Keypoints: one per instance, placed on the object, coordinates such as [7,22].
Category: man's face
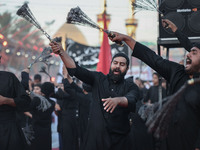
[193,61]
[37,90]
[155,80]
[118,67]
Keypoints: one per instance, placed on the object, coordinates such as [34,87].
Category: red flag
[105,52]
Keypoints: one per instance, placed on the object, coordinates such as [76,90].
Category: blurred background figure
[153,92]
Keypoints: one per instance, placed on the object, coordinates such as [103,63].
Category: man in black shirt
[185,122]
[12,98]
[183,39]
[187,44]
[113,99]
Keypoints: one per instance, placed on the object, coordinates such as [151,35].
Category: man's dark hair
[47,89]
[122,55]
[155,73]
[137,78]
[196,45]
[39,85]
[37,77]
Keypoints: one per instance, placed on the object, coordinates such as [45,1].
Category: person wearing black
[185,122]
[13,98]
[59,95]
[83,97]
[21,117]
[113,99]
[24,117]
[85,104]
[140,138]
[152,95]
[68,124]
[183,39]
[37,79]
[143,90]
[187,44]
[41,109]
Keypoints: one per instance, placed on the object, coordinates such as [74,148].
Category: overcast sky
[47,10]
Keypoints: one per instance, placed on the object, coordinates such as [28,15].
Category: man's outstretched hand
[110,104]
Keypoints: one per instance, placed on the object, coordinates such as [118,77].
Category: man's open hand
[110,104]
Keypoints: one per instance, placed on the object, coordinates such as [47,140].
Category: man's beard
[116,77]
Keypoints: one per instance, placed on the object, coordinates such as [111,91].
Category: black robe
[141,139]
[59,115]
[69,121]
[184,127]
[143,93]
[22,119]
[107,131]
[187,44]
[152,94]
[41,122]
[84,101]
[11,136]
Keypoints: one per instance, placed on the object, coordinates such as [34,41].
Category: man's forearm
[123,101]
[67,60]
[184,41]
[111,103]
[8,101]
[130,42]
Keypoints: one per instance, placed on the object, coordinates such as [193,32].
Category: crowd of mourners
[103,112]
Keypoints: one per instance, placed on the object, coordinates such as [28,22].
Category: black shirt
[185,124]
[101,123]
[11,136]
[152,94]
[103,87]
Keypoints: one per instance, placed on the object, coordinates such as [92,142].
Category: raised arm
[73,69]
[183,39]
[22,100]
[122,37]
[58,49]
[168,24]
[68,82]
[25,78]
[162,66]
[7,101]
